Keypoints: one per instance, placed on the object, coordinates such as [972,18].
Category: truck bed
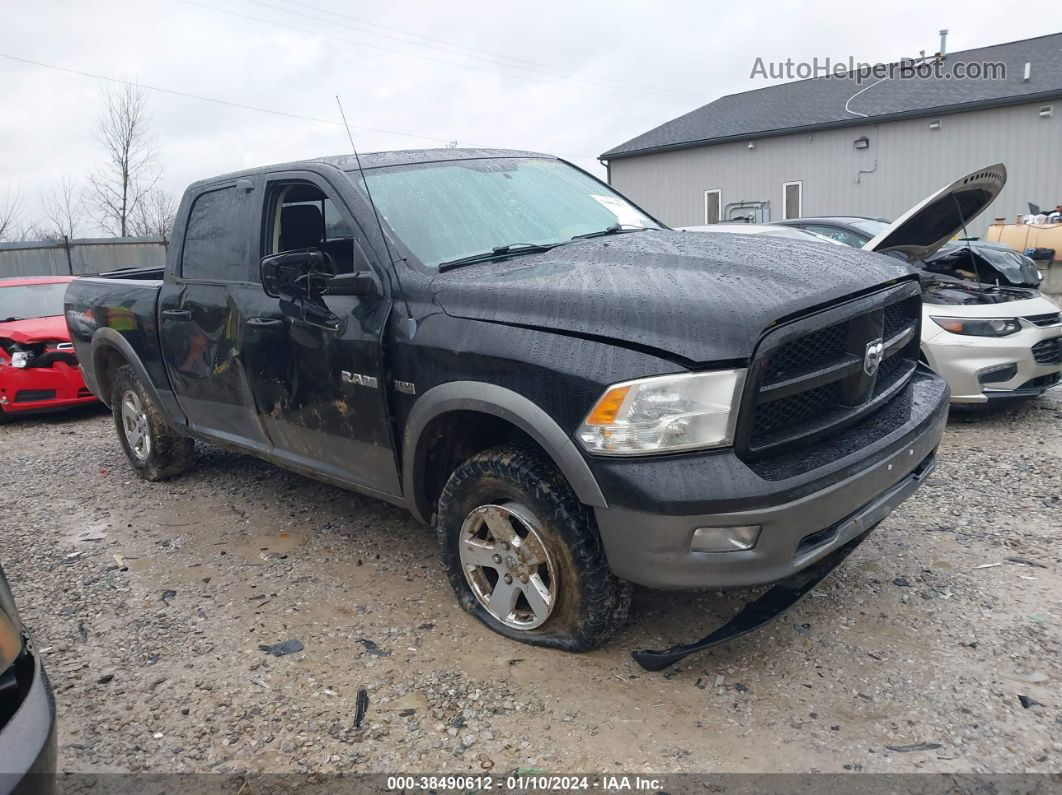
[123,305]
[138,274]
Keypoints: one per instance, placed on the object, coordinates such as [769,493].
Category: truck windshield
[451,210]
[31,300]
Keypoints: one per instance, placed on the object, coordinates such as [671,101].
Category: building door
[792,200]
[713,206]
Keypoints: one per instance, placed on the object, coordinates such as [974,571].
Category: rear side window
[213,238]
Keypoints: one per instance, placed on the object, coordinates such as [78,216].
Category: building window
[792,199]
[713,206]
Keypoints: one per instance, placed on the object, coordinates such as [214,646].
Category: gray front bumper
[652,547]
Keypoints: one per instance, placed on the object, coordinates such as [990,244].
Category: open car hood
[931,223]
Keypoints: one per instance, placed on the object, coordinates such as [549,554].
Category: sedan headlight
[979,327]
[21,358]
[664,414]
[10,642]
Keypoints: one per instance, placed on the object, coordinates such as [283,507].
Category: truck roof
[371,160]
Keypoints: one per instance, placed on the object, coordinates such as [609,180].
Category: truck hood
[36,329]
[935,220]
[703,298]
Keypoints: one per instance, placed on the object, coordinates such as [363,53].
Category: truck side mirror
[302,273]
[356,283]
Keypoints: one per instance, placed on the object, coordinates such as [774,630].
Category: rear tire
[509,513]
[154,449]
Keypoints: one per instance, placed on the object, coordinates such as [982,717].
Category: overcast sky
[569,78]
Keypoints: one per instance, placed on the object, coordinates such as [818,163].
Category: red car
[38,368]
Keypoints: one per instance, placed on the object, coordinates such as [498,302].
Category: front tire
[154,449]
[524,556]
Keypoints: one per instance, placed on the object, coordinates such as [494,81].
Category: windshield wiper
[615,229]
[509,250]
[11,319]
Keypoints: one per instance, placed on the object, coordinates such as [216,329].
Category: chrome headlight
[979,327]
[21,358]
[664,414]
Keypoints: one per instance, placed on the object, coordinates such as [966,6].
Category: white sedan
[770,230]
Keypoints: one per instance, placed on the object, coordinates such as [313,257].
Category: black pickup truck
[574,396]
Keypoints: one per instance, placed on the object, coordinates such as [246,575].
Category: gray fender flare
[510,406]
[109,338]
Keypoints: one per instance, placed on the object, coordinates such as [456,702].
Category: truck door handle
[177,314]
[264,323]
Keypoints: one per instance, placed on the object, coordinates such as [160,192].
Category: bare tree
[61,211]
[154,215]
[10,214]
[131,170]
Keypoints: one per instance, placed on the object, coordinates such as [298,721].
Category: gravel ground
[151,601]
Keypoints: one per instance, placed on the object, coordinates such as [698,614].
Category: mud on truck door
[201,318]
[315,363]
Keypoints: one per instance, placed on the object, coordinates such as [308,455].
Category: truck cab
[572,396]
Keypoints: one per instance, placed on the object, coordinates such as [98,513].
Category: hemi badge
[406,386]
[359,379]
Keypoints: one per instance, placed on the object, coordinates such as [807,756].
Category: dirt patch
[156,663]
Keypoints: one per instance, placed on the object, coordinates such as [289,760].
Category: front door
[321,391]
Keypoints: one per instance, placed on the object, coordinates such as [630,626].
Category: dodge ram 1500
[572,395]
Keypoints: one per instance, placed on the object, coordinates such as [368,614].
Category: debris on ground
[280,649]
[903,749]
[1026,562]
[373,649]
[361,704]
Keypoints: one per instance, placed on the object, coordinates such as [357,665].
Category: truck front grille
[1048,351]
[809,380]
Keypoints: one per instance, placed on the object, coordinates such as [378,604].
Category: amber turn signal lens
[10,642]
[954,326]
[604,413]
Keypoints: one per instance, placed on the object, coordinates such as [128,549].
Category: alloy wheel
[507,564]
[135,425]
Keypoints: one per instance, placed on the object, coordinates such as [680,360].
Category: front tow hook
[762,610]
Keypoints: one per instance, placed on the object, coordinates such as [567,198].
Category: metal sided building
[841,146]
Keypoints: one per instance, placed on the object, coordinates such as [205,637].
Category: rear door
[321,392]
[201,320]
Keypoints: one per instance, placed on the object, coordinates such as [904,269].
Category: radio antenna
[411,322]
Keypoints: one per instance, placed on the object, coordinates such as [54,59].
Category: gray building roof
[820,102]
